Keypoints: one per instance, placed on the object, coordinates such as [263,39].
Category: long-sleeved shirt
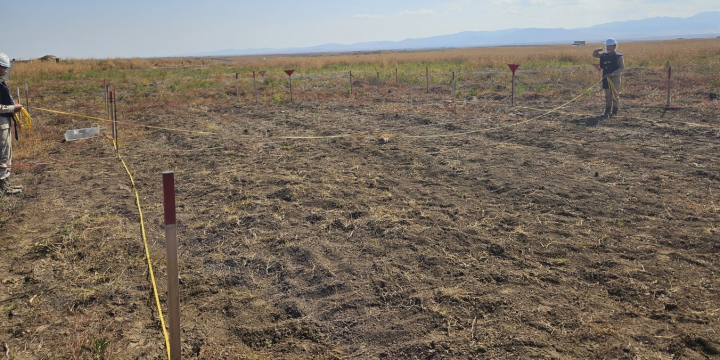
[5,109]
[620,62]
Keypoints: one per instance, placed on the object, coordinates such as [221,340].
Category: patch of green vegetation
[97,347]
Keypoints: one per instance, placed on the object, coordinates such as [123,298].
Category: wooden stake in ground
[427,79]
[113,128]
[289,74]
[255,88]
[171,246]
[452,96]
[378,82]
[669,86]
[513,67]
[114,116]
[27,97]
[351,86]
[107,98]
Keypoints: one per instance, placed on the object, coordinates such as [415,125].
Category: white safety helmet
[5,62]
[610,42]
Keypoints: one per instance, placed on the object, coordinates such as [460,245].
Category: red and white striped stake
[669,86]
[171,246]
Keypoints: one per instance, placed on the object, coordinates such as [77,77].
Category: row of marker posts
[377,82]
[513,69]
[112,110]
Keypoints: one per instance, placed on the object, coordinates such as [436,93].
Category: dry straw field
[400,216]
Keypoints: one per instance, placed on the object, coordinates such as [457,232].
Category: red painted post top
[289,72]
[669,71]
[169,197]
[513,67]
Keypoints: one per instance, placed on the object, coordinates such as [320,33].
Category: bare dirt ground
[431,230]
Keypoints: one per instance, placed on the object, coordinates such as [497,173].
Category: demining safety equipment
[5,62]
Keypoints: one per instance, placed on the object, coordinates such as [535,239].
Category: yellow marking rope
[615,92]
[509,125]
[24,120]
[125,122]
[147,255]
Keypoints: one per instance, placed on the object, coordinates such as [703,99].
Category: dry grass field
[403,220]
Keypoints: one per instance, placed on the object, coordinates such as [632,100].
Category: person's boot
[614,111]
[7,189]
[607,112]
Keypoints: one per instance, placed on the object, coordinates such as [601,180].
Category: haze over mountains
[706,24]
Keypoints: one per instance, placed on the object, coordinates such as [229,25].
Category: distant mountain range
[703,25]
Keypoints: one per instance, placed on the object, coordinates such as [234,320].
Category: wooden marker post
[254,88]
[669,86]
[107,98]
[27,97]
[427,80]
[113,125]
[171,246]
[117,132]
[262,81]
[237,84]
[396,77]
[513,67]
[289,74]
[351,86]
[378,82]
[452,96]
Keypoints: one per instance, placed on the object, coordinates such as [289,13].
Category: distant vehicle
[50,58]
[579,43]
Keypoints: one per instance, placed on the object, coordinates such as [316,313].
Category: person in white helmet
[613,65]
[8,108]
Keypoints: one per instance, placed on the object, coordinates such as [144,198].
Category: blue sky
[146,28]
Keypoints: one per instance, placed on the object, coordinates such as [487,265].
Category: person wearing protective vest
[8,108]
[613,65]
